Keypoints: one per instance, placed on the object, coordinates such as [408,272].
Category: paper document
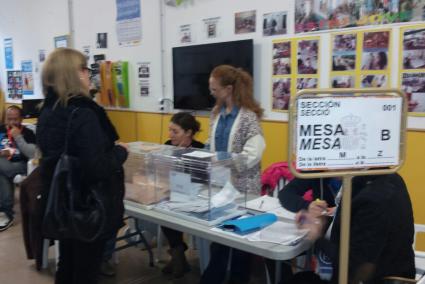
[283,213]
[199,154]
[264,203]
[280,233]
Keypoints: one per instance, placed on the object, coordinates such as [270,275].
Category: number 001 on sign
[348,132]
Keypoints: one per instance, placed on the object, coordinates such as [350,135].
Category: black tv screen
[192,66]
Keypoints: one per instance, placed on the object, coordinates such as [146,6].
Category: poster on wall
[412,67]
[342,81]
[120,83]
[307,83]
[144,77]
[8,53]
[27,78]
[373,81]
[245,22]
[307,56]
[211,27]
[282,58]
[344,52]
[102,40]
[413,84]
[186,34]
[314,15]
[61,41]
[274,23]
[414,48]
[281,93]
[41,55]
[375,50]
[14,85]
[86,52]
[128,22]
[292,73]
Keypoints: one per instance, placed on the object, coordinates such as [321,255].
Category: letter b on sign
[385,135]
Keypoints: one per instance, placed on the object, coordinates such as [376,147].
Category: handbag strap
[68,130]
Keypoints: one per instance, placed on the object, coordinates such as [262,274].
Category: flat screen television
[193,64]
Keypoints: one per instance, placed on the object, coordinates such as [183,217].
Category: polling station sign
[342,132]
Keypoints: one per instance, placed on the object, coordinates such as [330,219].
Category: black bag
[73,211]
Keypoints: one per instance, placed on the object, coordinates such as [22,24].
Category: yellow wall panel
[125,124]
[275,134]
[148,127]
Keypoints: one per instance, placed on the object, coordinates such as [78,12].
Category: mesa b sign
[344,132]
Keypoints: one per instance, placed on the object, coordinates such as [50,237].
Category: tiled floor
[133,264]
[132,268]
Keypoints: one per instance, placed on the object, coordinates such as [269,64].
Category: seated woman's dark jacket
[92,139]
[291,196]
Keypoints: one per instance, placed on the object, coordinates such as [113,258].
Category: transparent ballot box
[140,186]
[200,185]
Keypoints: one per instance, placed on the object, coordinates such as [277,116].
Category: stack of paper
[271,205]
[280,233]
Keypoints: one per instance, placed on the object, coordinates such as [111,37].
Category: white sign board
[347,132]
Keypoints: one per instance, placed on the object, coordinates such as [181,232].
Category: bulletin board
[295,66]
[412,67]
[361,59]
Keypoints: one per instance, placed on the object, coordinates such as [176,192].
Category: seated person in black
[326,190]
[182,128]
[381,231]
[17,145]
[323,194]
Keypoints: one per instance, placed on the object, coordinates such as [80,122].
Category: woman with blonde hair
[92,139]
[235,128]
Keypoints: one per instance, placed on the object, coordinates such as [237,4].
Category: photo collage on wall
[360,59]
[292,73]
[412,65]
[14,85]
[315,15]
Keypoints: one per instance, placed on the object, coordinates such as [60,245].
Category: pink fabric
[308,195]
[271,176]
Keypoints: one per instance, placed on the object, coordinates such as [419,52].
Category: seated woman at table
[181,130]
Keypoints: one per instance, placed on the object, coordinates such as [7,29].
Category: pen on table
[261,204]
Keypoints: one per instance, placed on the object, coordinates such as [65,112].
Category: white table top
[268,250]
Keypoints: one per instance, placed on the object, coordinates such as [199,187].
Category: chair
[274,178]
[419,255]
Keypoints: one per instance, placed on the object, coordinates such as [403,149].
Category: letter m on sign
[342,154]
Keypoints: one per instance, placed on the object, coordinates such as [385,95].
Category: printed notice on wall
[186,34]
[27,78]
[348,132]
[8,53]
[144,77]
[129,23]
[212,27]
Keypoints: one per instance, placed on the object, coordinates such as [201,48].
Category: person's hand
[15,131]
[314,225]
[318,208]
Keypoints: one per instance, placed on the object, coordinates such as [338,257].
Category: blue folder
[249,224]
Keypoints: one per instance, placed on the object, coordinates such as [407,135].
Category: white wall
[98,16]
[33,24]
